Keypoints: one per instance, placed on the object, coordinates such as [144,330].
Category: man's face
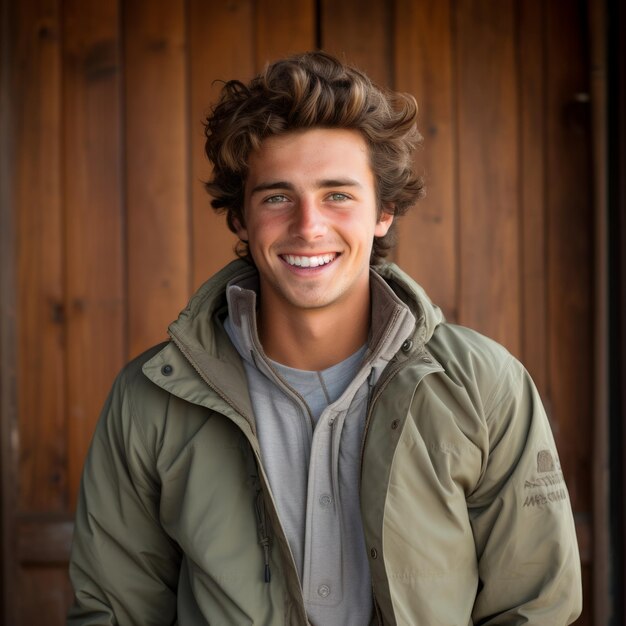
[311,217]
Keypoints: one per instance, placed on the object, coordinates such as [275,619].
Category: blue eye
[277,198]
[338,196]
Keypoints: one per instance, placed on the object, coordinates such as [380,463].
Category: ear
[383,224]
[240,230]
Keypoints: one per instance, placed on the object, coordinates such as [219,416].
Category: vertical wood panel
[43,597]
[603,525]
[37,122]
[156,168]
[488,170]
[283,28]
[94,250]
[531,55]
[617,189]
[569,241]
[569,232]
[360,32]
[423,67]
[213,57]
[8,317]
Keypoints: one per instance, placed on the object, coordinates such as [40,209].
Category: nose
[308,221]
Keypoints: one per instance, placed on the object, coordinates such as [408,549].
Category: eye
[275,199]
[338,196]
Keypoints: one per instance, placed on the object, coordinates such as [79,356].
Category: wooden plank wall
[112,230]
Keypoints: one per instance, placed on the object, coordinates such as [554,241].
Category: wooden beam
[602,549]
[156,168]
[8,350]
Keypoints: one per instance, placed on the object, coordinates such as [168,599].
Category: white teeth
[309,261]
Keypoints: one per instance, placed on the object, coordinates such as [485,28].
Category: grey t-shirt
[319,389]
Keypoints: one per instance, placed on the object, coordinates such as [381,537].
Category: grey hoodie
[314,472]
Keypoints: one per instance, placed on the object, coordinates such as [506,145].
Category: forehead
[318,151]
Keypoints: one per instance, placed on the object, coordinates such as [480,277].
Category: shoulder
[132,390]
[464,352]
[489,374]
[132,376]
[122,418]
[142,416]
[459,345]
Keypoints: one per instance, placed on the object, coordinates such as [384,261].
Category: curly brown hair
[313,90]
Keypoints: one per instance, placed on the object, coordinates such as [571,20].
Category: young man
[315,444]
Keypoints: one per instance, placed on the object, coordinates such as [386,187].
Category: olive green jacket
[466,516]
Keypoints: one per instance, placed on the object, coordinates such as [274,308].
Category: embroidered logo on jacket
[545,461]
[547,487]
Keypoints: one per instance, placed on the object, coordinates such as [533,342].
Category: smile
[309,261]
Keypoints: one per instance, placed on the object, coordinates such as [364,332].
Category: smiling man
[316,445]
[311,215]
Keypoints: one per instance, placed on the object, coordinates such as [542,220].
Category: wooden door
[106,229]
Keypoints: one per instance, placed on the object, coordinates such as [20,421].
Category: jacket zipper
[285,387]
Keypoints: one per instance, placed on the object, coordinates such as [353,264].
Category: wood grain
[488,148]
[532,190]
[44,541]
[9,423]
[283,28]
[94,228]
[38,204]
[424,67]
[569,233]
[43,595]
[213,59]
[359,31]
[156,167]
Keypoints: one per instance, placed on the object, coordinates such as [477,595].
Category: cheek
[262,232]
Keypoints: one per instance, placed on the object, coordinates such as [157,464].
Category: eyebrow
[321,184]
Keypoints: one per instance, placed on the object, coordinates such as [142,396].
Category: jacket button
[325,500]
[395,424]
[323,591]
[166,370]
[407,345]
[374,553]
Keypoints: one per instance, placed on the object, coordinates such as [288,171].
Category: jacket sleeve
[123,566]
[521,517]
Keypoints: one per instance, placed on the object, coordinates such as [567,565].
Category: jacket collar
[200,344]
[391,321]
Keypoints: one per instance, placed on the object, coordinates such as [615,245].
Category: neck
[312,340]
